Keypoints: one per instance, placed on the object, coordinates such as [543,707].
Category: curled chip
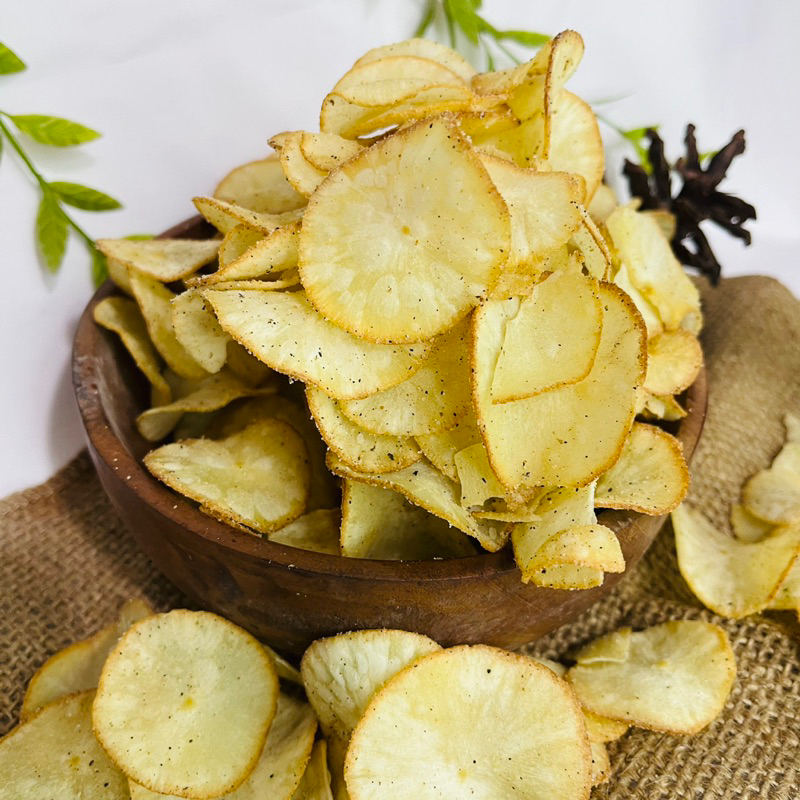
[258,477]
[316,781]
[226,216]
[505,726]
[259,186]
[55,755]
[318,531]
[197,330]
[77,668]
[282,762]
[673,360]
[342,673]
[381,523]
[166,260]
[197,722]
[674,677]
[300,173]
[650,476]
[393,253]
[729,576]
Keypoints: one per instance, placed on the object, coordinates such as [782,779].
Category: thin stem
[40,179]
[427,18]
[506,51]
[451,28]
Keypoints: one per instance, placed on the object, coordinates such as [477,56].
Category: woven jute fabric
[67,565]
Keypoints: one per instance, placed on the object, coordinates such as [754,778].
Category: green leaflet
[53,131]
[51,232]
[10,62]
[74,194]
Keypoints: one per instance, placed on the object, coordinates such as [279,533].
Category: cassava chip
[155,303]
[731,577]
[746,527]
[504,726]
[478,483]
[440,448]
[197,330]
[381,524]
[673,360]
[425,486]
[593,247]
[569,435]
[787,597]
[166,260]
[395,253]
[434,398]
[317,531]
[316,781]
[235,243]
[284,331]
[602,729]
[55,755]
[551,337]
[675,677]
[356,446]
[258,477]
[327,151]
[601,763]
[422,48]
[648,311]
[260,186]
[78,667]
[122,316]
[303,175]
[185,702]
[226,216]
[773,495]
[282,761]
[209,394]
[342,673]
[650,476]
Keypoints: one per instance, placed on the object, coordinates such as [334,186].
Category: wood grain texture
[289,597]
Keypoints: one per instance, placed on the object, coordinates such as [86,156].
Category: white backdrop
[185,89]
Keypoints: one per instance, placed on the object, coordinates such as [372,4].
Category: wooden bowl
[289,597]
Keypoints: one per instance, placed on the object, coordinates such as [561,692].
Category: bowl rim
[117,459]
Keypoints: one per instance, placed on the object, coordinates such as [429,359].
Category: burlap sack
[67,566]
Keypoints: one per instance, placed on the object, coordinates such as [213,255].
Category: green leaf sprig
[462,16]
[53,223]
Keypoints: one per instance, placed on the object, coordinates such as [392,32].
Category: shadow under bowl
[289,597]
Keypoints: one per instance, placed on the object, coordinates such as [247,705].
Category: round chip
[405,238]
[260,186]
[55,755]
[471,721]
[259,477]
[185,703]
[674,677]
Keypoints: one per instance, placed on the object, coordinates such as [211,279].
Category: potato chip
[258,477]
[395,254]
[675,677]
[440,448]
[748,528]
[327,151]
[55,755]
[166,260]
[155,303]
[652,266]
[574,142]
[357,447]
[773,494]
[260,186]
[381,524]
[281,764]
[673,360]
[434,398]
[122,316]
[422,48]
[270,255]
[324,493]
[226,216]
[197,330]
[425,486]
[505,726]
[650,475]
[316,781]
[569,435]
[209,394]
[478,483]
[185,702]
[731,577]
[300,173]
[284,331]
[317,531]
[77,667]
[543,206]
[342,673]
[551,338]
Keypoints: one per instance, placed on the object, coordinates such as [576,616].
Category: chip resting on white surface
[185,702]
[504,726]
[673,677]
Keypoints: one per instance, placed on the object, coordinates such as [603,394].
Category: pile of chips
[474,321]
[187,705]
[757,568]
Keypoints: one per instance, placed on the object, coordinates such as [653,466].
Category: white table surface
[183,90]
